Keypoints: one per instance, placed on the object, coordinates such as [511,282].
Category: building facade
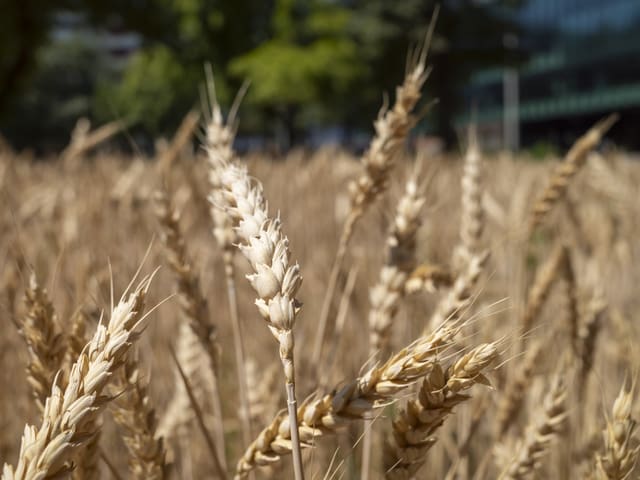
[582,62]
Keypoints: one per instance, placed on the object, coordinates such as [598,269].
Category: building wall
[583,62]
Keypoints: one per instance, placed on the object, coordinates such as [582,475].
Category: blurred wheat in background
[465,316]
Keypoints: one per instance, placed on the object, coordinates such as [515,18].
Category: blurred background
[533,74]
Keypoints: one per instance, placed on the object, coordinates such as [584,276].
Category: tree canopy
[310,63]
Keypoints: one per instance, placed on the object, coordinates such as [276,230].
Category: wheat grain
[275,280]
[440,393]
[133,412]
[539,435]
[386,295]
[325,414]
[472,216]
[219,147]
[392,128]
[621,447]
[452,305]
[539,290]
[68,418]
[41,331]
[560,178]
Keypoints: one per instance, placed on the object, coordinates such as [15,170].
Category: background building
[583,63]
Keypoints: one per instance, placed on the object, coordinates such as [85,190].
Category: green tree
[23,28]
[309,61]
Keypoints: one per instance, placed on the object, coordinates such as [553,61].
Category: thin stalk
[199,417]
[238,347]
[367,445]
[292,407]
[345,238]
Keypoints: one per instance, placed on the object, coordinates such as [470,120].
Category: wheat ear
[263,395]
[133,412]
[571,293]
[386,295]
[392,128]
[46,343]
[516,389]
[181,138]
[560,178]
[192,301]
[588,337]
[428,277]
[275,279]
[539,435]
[68,418]
[472,218]
[87,461]
[452,305]
[83,139]
[541,287]
[621,446]
[355,400]
[220,152]
[440,393]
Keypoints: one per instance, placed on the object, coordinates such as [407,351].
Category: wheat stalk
[195,363]
[68,418]
[133,412]
[440,393]
[571,292]
[588,337]
[192,302]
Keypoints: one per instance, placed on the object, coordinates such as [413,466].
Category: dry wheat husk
[547,424]
[41,330]
[621,446]
[69,415]
[325,414]
[133,412]
[440,393]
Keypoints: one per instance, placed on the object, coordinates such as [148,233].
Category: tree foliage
[310,63]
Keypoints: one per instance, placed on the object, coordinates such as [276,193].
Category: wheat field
[416,315]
